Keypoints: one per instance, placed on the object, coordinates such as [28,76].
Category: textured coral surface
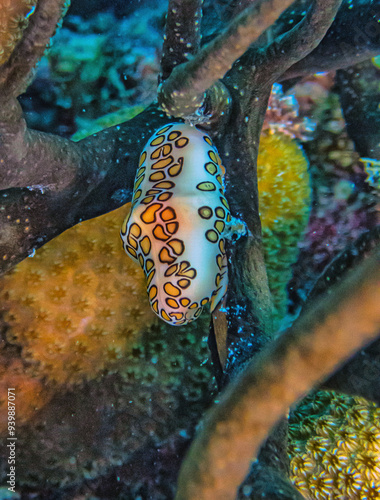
[283,180]
[78,305]
[284,194]
[13,20]
[96,66]
[335,448]
[162,387]
[32,393]
[344,204]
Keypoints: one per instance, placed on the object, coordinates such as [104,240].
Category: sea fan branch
[342,47]
[298,42]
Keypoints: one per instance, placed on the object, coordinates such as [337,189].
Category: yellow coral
[283,180]
[338,456]
[14,16]
[284,201]
[372,169]
[79,304]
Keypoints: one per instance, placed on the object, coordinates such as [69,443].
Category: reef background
[105,66]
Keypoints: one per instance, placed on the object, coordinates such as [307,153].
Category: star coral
[76,306]
[78,309]
[335,445]
[372,169]
[284,194]
[14,15]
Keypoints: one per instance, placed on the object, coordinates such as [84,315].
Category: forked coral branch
[183,92]
[78,181]
[20,147]
[49,184]
[341,46]
[298,42]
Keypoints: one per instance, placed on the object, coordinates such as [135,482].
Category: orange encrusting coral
[14,16]
[78,305]
[335,448]
[30,393]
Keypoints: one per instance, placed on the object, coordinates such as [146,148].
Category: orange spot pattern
[158,183]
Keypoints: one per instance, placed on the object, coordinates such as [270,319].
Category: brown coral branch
[55,182]
[15,73]
[250,329]
[182,34]
[325,336]
[29,157]
[342,47]
[46,153]
[183,92]
[298,42]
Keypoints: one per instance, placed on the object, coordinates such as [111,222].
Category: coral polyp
[372,169]
[340,461]
[14,17]
[32,393]
[284,201]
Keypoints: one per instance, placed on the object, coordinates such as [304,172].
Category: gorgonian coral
[83,179]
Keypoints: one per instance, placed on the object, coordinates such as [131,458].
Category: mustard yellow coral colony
[14,15]
[77,306]
[335,448]
[284,202]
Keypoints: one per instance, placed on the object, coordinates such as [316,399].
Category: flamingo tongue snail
[177,221]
